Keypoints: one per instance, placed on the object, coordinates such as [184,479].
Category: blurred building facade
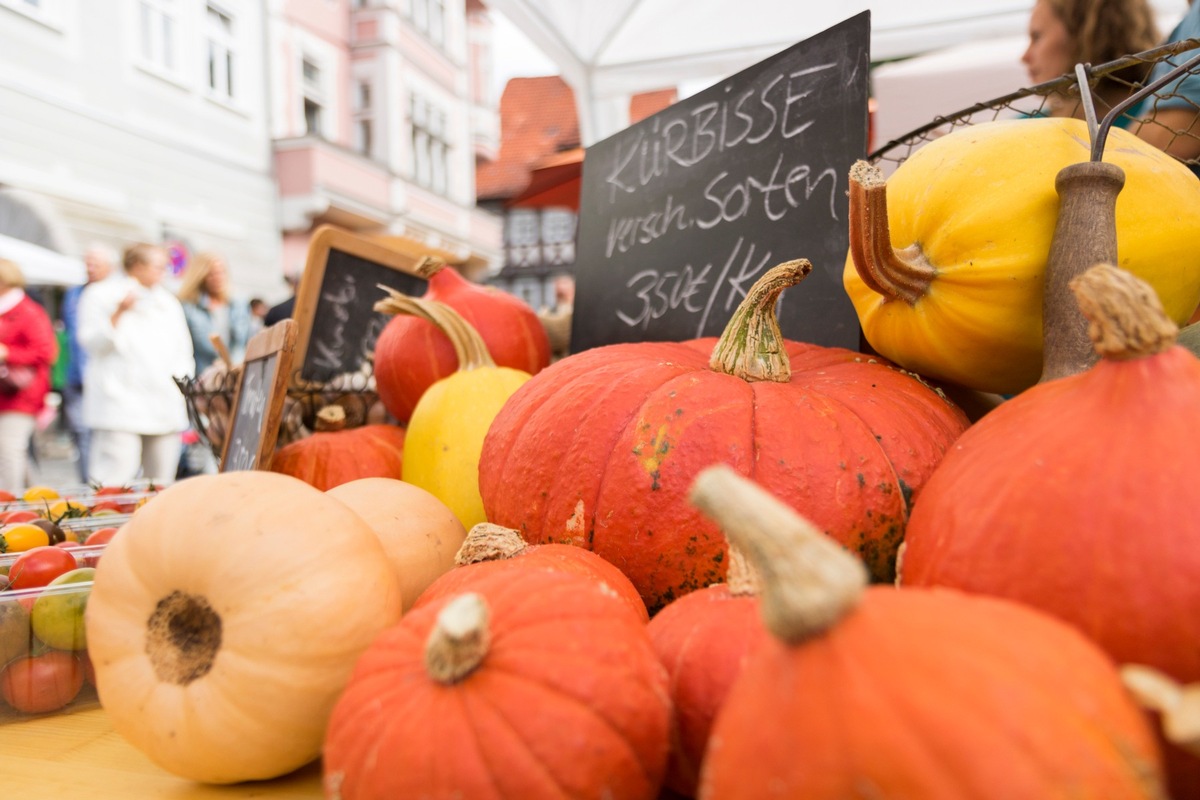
[240,126]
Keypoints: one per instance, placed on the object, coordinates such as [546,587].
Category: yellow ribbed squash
[447,426]
[970,218]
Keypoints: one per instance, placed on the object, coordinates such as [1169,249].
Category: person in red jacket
[27,348]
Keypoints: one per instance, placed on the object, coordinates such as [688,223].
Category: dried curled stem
[895,274]
[459,640]
[1179,705]
[752,347]
[809,581]
[468,345]
[1125,318]
[489,542]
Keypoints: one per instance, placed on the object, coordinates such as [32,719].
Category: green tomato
[58,612]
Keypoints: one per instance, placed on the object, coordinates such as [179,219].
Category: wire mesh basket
[1112,85]
[210,396]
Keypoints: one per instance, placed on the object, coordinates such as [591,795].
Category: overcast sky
[515,55]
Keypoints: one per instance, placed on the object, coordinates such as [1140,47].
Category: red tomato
[18,515]
[6,497]
[39,566]
[100,536]
[37,684]
[106,505]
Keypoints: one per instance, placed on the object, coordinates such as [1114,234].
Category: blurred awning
[42,267]
[554,182]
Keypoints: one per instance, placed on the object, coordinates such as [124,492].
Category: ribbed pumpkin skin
[330,458]
[982,206]
[569,702]
[411,354]
[703,639]
[1077,497]
[600,449]
[934,695]
[559,557]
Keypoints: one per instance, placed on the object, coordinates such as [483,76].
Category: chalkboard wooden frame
[275,348]
[329,244]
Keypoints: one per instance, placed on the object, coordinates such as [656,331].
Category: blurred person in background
[99,260]
[1175,109]
[137,341]
[284,310]
[1063,33]
[258,313]
[210,308]
[27,348]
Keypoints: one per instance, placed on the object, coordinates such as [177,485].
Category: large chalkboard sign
[258,399]
[335,299]
[680,213]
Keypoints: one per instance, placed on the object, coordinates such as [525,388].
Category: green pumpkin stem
[488,541]
[1125,318]
[752,347]
[459,640]
[809,581]
[895,274]
[468,345]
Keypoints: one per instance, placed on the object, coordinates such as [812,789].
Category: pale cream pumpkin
[420,534]
[225,620]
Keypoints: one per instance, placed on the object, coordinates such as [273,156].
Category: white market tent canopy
[42,267]
[609,49]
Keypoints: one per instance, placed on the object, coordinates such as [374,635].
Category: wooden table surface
[78,756]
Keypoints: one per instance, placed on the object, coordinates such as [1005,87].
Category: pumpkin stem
[1179,705]
[459,640]
[330,418]
[809,581]
[752,347]
[183,638]
[896,274]
[1125,318]
[489,542]
[429,266]
[468,345]
[741,577]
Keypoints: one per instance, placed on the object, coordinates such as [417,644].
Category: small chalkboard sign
[682,212]
[258,399]
[336,296]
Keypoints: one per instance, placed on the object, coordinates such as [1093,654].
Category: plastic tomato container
[44,668]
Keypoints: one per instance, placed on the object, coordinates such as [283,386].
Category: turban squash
[1076,496]
[599,449]
[947,258]
[924,693]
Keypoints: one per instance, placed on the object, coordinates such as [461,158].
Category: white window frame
[312,90]
[47,12]
[431,146]
[364,117]
[221,80]
[158,32]
[428,17]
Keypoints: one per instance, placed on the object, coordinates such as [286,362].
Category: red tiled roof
[537,120]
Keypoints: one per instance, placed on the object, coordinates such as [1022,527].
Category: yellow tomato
[35,493]
[22,536]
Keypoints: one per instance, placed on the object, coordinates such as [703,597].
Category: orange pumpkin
[1075,496]
[537,685]
[703,639]
[886,692]
[599,450]
[334,455]
[492,548]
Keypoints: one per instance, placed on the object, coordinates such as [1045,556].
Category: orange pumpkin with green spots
[599,449]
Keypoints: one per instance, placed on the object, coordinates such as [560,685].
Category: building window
[430,145]
[558,236]
[314,96]
[221,45]
[522,238]
[429,17]
[44,11]
[159,35]
[364,122]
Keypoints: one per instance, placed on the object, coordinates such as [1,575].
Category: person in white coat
[137,342]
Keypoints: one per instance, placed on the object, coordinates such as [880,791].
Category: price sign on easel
[258,399]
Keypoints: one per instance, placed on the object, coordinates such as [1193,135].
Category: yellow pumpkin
[420,534]
[447,427]
[226,618]
[947,258]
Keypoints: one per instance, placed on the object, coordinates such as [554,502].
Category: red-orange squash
[537,687]
[917,693]
[490,548]
[599,450]
[1077,496]
[411,354]
[703,639]
[332,455]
